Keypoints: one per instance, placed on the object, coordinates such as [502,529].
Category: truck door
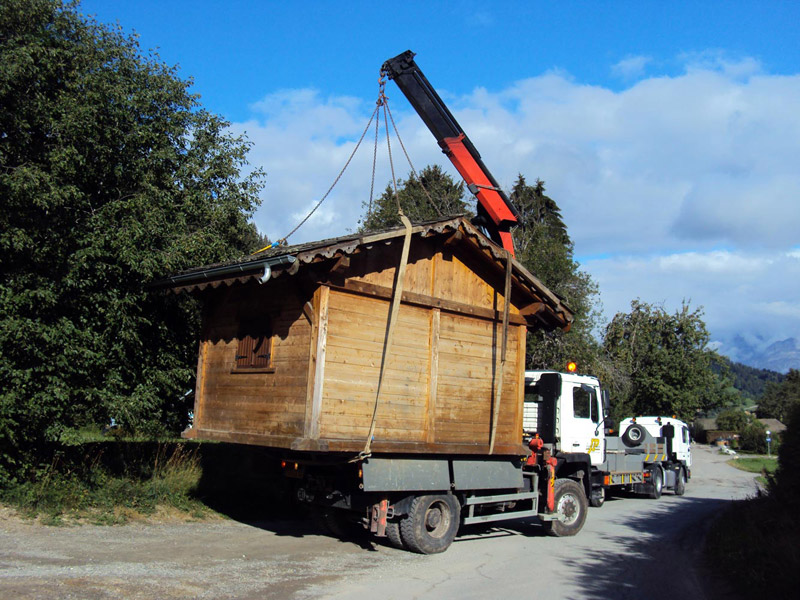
[581,430]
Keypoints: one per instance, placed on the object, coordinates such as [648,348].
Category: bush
[752,438]
[785,485]
[110,481]
[754,544]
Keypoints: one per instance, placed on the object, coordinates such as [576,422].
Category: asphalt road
[630,548]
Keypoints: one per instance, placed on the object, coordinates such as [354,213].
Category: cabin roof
[272,262]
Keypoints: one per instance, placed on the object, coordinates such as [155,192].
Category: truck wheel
[571,505]
[432,523]
[332,520]
[598,498]
[656,484]
[393,534]
[680,482]
[633,436]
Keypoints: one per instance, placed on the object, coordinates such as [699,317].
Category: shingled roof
[273,262]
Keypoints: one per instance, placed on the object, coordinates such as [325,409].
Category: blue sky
[669,133]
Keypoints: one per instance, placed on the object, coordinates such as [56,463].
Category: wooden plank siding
[356,333]
[270,403]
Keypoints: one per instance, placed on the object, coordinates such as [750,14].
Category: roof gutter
[265,266]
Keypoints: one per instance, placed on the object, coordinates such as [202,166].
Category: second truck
[566,412]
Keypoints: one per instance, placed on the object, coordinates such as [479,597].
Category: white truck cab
[675,431]
[579,410]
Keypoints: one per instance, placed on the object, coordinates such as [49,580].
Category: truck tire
[332,521]
[571,503]
[634,436]
[656,483]
[680,482]
[393,534]
[598,498]
[432,523]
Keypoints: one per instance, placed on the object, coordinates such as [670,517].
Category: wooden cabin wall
[451,275]
[440,382]
[356,328]
[271,403]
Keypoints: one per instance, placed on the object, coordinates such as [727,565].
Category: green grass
[88,490]
[758,464]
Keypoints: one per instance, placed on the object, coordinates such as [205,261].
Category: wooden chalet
[293,338]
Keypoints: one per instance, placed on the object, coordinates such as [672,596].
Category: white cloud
[752,293]
[631,67]
[667,171]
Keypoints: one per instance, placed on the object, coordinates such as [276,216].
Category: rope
[374,164]
[391,161]
[282,241]
[499,394]
[399,283]
[408,158]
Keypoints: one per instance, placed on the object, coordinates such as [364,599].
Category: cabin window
[584,404]
[254,350]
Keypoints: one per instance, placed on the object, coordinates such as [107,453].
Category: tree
[732,420]
[431,195]
[544,247]
[111,176]
[663,363]
[779,398]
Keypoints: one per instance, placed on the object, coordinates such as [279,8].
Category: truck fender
[577,466]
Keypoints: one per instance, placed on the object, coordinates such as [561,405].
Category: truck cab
[567,410]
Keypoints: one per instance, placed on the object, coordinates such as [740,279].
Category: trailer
[566,413]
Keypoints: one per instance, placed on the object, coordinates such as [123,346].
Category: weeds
[87,487]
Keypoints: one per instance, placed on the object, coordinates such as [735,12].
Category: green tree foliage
[111,176]
[753,438]
[732,419]
[786,485]
[750,381]
[430,195]
[780,398]
[544,247]
[662,363]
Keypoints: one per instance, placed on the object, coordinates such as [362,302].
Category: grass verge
[764,465]
[91,488]
[753,545]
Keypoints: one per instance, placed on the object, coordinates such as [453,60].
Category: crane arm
[495,211]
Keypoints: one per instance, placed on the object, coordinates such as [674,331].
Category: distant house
[773,425]
[705,430]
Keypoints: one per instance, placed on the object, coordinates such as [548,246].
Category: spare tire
[634,435]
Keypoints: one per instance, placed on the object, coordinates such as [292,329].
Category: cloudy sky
[669,136]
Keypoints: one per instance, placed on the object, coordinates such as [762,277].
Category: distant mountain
[775,356]
[750,381]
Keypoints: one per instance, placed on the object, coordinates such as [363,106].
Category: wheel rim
[568,508]
[437,519]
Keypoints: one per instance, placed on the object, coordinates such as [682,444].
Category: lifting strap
[499,390]
[388,338]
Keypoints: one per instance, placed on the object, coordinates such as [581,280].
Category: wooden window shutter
[254,350]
